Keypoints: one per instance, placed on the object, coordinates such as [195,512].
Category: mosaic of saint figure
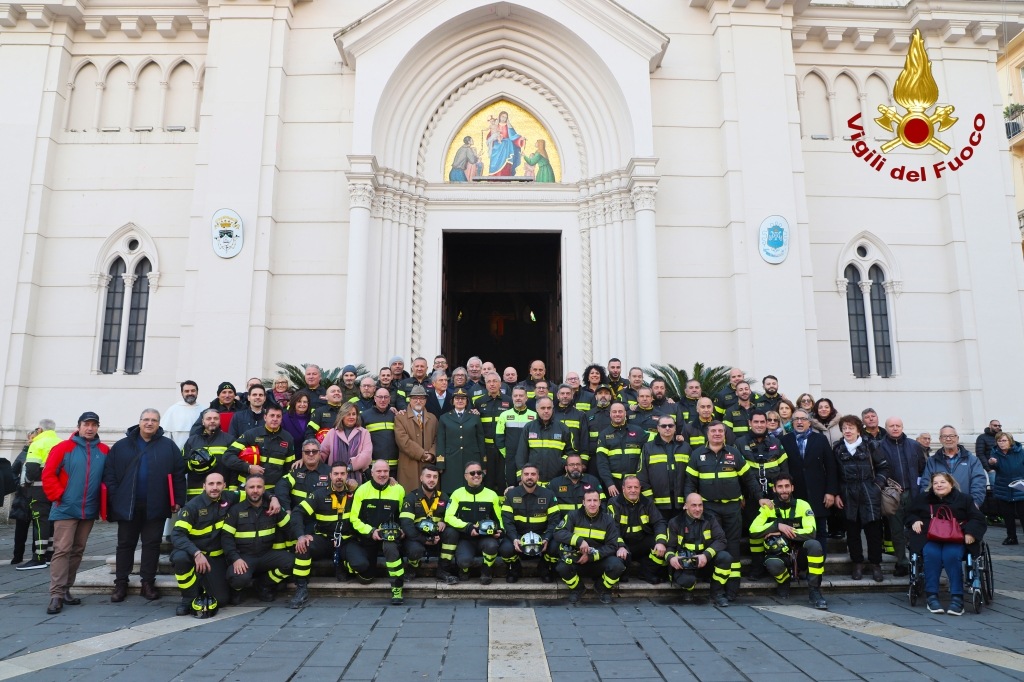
[504,146]
[539,160]
[467,163]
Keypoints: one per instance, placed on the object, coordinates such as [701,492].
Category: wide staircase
[425,586]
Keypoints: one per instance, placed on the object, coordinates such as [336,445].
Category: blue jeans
[943,555]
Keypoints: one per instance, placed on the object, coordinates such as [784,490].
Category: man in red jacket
[72,478]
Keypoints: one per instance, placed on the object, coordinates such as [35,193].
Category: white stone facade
[681,124]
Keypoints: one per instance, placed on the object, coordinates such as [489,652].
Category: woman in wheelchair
[943,521]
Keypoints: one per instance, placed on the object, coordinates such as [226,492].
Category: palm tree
[712,379]
[297,375]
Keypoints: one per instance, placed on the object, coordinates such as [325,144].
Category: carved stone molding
[99,280]
[360,194]
[894,287]
[499,74]
[841,285]
[865,286]
[154,280]
[643,197]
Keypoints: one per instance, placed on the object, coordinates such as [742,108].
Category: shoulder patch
[809,512]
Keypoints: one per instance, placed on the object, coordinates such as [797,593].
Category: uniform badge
[202,512]
[563,489]
[517,500]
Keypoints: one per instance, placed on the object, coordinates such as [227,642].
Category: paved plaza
[862,637]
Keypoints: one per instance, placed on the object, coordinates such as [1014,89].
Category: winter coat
[859,487]
[966,469]
[985,446]
[906,460]
[831,430]
[360,449]
[970,517]
[1009,467]
[72,477]
[121,476]
[413,441]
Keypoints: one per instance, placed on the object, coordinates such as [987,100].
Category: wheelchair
[979,584]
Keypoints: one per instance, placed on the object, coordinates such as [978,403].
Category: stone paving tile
[316,674]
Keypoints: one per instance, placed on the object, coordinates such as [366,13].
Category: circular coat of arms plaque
[226,229]
[773,239]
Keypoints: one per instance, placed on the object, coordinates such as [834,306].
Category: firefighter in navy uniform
[197,555]
[423,510]
[643,530]
[618,450]
[697,549]
[528,508]
[570,487]
[325,415]
[545,442]
[379,420]
[598,419]
[475,512]
[211,443]
[574,420]
[317,524]
[737,416]
[376,506]
[645,417]
[663,469]
[723,478]
[300,483]
[274,447]
[254,540]
[768,458]
[491,405]
[590,542]
[785,528]
[509,431]
[696,432]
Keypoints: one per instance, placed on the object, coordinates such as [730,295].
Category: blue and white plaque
[773,239]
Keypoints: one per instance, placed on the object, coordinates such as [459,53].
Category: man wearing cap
[349,389]
[397,366]
[145,479]
[72,477]
[415,435]
[226,404]
[460,440]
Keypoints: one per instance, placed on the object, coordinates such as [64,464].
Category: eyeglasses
[949,435]
[665,426]
[997,426]
[475,473]
[801,419]
[773,420]
[311,452]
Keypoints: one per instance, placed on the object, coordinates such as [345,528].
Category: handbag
[944,527]
[891,495]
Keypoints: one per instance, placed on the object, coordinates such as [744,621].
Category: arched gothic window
[868,277]
[858,324]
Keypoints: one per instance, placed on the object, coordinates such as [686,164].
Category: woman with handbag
[942,521]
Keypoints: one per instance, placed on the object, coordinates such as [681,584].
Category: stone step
[98,581]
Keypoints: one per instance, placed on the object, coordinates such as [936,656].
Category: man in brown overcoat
[415,434]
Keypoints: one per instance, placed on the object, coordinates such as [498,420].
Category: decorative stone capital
[360,195]
[643,197]
[99,280]
[865,286]
[894,287]
[154,280]
[129,280]
[841,285]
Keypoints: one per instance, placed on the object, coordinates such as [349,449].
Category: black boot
[184,607]
[301,596]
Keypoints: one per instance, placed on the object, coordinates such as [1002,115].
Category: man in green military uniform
[460,440]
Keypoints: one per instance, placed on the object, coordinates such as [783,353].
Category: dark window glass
[137,319]
[858,324]
[880,322]
[112,318]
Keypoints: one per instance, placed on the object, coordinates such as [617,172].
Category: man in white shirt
[179,417]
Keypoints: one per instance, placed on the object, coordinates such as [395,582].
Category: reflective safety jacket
[663,472]
[576,424]
[469,505]
[598,420]
[277,452]
[324,512]
[322,417]
[696,433]
[216,444]
[508,430]
[638,520]
[381,426]
[583,400]
[600,532]
[373,504]
[298,484]
[491,408]
[418,506]
[645,420]
[618,452]
[737,418]
[797,513]
[767,458]
[722,477]
[198,525]
[524,512]
[545,445]
[696,535]
[570,493]
[249,530]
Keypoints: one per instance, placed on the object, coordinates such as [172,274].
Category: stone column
[360,199]
[647,276]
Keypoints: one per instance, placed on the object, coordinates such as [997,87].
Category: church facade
[200,189]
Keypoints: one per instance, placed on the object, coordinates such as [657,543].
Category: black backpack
[7,482]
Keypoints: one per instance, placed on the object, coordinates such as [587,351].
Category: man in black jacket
[145,479]
[813,469]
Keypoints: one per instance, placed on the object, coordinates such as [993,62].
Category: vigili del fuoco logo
[916,92]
